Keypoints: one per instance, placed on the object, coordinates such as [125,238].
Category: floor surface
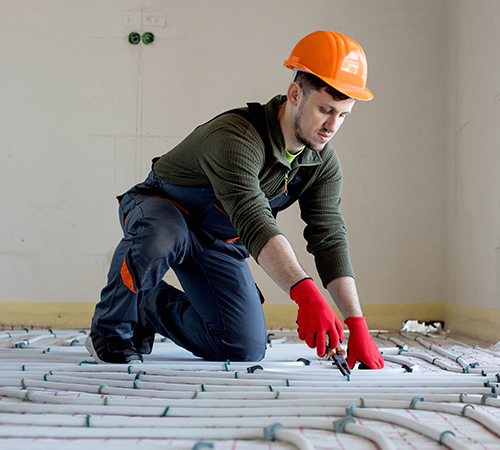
[435,391]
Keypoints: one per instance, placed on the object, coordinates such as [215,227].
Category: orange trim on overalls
[229,240]
[157,196]
[127,276]
[173,203]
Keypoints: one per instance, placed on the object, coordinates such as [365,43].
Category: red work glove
[360,346]
[315,317]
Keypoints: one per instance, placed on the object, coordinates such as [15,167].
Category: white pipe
[440,436]
[371,434]
[279,390]
[173,411]
[275,409]
[219,433]
[294,438]
[152,389]
[171,383]
[339,399]
[131,433]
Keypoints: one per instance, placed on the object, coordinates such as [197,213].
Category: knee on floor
[238,349]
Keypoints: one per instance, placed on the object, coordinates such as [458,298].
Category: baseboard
[475,322]
[46,314]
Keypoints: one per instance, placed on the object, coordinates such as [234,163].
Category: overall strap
[256,115]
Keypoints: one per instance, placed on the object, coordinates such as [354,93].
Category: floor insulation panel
[435,392]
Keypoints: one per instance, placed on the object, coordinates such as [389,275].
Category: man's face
[318,117]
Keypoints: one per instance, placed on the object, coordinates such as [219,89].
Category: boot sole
[89,345]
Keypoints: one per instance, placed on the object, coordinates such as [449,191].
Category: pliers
[337,356]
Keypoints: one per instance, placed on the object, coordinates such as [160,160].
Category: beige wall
[83,112]
[473,163]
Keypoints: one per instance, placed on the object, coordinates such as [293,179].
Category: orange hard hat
[335,58]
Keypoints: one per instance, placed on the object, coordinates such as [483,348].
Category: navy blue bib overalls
[218,315]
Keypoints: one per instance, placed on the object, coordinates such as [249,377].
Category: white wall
[82,113]
[474,153]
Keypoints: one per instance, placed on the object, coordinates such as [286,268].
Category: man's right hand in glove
[315,317]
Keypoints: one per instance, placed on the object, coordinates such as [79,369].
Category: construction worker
[212,201]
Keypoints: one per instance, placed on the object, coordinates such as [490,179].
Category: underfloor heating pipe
[216,410]
[156,391]
[123,379]
[109,417]
[444,437]
[463,344]
[112,426]
[211,381]
[59,353]
[246,430]
[205,401]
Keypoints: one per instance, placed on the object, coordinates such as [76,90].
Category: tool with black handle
[337,355]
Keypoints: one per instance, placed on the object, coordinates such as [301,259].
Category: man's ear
[294,92]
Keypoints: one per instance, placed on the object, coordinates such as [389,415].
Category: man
[213,199]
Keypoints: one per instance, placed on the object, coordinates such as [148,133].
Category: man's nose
[332,124]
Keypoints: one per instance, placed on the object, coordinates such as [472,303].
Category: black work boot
[143,339]
[112,350]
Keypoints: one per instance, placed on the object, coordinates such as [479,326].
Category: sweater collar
[307,158]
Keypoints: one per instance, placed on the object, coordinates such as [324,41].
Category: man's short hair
[308,82]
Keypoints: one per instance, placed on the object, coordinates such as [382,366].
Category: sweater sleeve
[325,230]
[232,158]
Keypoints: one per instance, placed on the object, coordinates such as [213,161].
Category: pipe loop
[27,396]
[465,407]
[440,441]
[254,368]
[414,400]
[200,445]
[339,425]
[101,387]
[487,396]
[305,361]
[270,431]
[349,410]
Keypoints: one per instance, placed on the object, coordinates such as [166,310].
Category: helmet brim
[355,92]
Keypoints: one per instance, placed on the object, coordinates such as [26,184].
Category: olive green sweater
[229,155]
